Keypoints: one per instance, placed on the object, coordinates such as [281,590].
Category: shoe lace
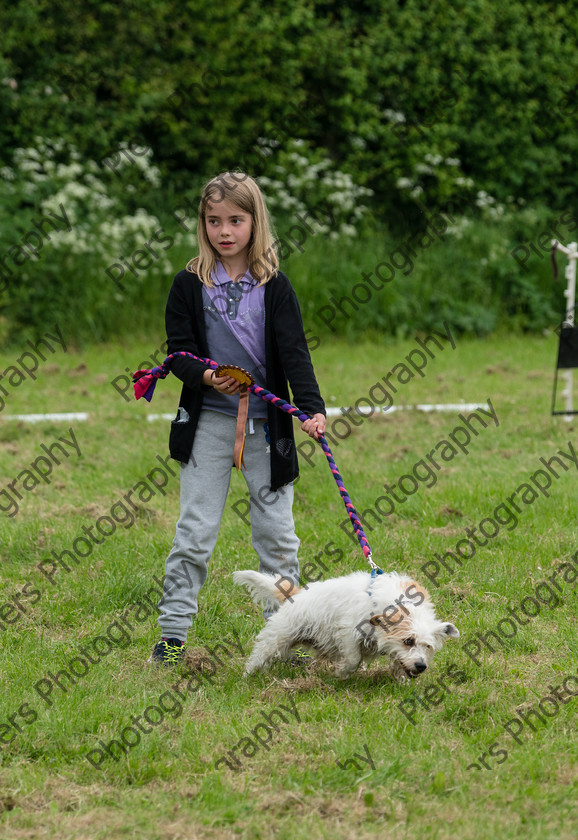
[172,653]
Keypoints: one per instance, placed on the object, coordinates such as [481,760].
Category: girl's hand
[315,426]
[222,384]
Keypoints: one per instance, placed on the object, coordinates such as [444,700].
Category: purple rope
[145,388]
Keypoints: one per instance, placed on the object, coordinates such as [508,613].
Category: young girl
[232,304]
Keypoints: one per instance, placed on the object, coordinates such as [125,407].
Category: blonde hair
[242,190]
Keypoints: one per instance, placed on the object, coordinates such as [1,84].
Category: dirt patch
[448,530]
[450,511]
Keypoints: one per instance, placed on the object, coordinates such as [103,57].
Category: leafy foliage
[405,108]
[63,220]
[377,85]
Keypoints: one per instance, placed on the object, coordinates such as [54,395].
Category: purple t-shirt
[247,323]
[235,325]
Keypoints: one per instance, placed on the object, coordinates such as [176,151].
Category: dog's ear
[378,621]
[446,631]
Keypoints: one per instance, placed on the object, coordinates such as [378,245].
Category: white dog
[346,620]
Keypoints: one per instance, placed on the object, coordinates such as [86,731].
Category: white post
[570,294]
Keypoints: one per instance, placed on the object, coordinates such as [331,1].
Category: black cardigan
[286,358]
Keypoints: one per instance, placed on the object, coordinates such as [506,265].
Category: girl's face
[228,228]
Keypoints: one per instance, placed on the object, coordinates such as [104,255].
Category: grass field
[344,760]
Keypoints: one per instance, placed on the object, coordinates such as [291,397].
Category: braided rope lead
[144,386]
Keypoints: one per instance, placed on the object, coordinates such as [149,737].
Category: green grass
[167,786]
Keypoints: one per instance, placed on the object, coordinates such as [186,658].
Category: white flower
[73,170]
[153,176]
[268,143]
[457,230]
[394,116]
[28,166]
[102,202]
[483,199]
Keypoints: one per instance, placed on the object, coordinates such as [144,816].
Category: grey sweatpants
[204,486]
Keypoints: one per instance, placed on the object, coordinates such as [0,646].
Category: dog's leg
[273,643]
[350,656]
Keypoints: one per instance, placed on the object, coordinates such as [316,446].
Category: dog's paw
[343,672]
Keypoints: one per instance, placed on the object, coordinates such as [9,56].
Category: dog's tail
[266,590]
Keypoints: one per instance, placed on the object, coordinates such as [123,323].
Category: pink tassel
[144,384]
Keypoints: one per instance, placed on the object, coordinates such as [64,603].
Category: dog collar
[375,570]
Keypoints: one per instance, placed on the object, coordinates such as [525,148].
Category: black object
[567,357]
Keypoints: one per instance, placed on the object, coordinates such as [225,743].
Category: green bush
[379,87]
[467,278]
[111,270]
[76,244]
[306,184]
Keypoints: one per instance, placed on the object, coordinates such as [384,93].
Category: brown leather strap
[242,415]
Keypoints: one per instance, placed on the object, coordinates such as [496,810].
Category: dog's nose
[420,666]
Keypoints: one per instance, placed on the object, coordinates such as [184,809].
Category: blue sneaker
[300,658]
[168,652]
